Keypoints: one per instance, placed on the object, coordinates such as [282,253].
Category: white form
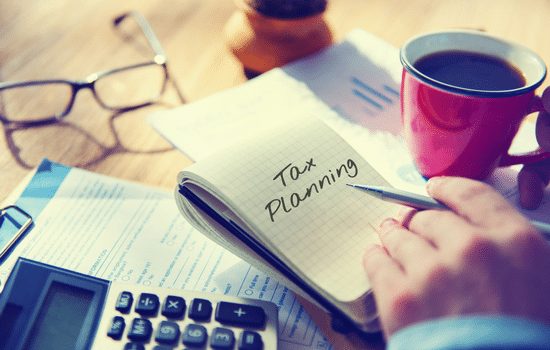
[128,232]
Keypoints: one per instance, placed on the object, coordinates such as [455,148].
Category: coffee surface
[470,70]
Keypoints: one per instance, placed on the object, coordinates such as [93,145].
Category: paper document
[287,189]
[352,86]
[123,231]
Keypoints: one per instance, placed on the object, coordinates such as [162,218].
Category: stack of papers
[128,232]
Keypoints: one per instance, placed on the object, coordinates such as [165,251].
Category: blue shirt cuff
[473,332]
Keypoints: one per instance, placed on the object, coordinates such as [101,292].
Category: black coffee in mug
[470,70]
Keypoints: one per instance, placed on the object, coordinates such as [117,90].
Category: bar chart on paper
[375,99]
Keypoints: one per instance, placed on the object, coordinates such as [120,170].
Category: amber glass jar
[262,42]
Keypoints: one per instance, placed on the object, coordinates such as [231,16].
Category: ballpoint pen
[417,201]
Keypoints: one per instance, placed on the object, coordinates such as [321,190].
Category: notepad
[280,201]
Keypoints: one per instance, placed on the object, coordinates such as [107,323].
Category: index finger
[476,201]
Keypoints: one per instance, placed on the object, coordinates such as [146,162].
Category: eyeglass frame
[159,59]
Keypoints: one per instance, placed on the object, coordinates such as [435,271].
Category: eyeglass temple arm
[153,42]
[145,28]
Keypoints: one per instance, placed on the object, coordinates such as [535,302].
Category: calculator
[46,307]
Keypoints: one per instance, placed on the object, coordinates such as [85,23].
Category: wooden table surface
[70,39]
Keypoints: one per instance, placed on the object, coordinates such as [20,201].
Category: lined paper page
[290,187]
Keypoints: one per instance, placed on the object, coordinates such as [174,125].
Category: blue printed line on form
[391,90]
[367,99]
[204,267]
[244,279]
[126,232]
[274,290]
[373,91]
[179,273]
[289,314]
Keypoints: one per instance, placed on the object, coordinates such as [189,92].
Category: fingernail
[432,182]
[405,216]
[405,211]
[388,222]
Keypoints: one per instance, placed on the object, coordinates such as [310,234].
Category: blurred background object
[288,8]
[264,34]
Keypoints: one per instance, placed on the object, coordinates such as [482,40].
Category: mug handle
[529,157]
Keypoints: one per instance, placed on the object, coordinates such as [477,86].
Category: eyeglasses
[36,102]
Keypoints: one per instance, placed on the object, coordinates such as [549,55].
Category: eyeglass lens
[131,87]
[117,89]
[35,102]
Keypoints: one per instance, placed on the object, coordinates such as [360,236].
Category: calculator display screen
[60,318]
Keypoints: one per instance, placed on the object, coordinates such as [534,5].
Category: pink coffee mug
[452,130]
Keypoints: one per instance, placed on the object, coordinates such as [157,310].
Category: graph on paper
[375,98]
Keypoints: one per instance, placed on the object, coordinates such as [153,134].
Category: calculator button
[222,338]
[167,332]
[250,341]
[194,335]
[117,328]
[163,347]
[240,315]
[148,304]
[200,310]
[140,330]
[134,346]
[124,302]
[174,307]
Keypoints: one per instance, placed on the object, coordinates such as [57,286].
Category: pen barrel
[413,200]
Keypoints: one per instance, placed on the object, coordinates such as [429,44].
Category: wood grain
[70,39]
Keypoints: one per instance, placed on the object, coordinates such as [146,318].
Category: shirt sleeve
[473,332]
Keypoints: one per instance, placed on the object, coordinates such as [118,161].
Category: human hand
[533,178]
[480,257]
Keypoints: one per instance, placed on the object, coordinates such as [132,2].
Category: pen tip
[351,185]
